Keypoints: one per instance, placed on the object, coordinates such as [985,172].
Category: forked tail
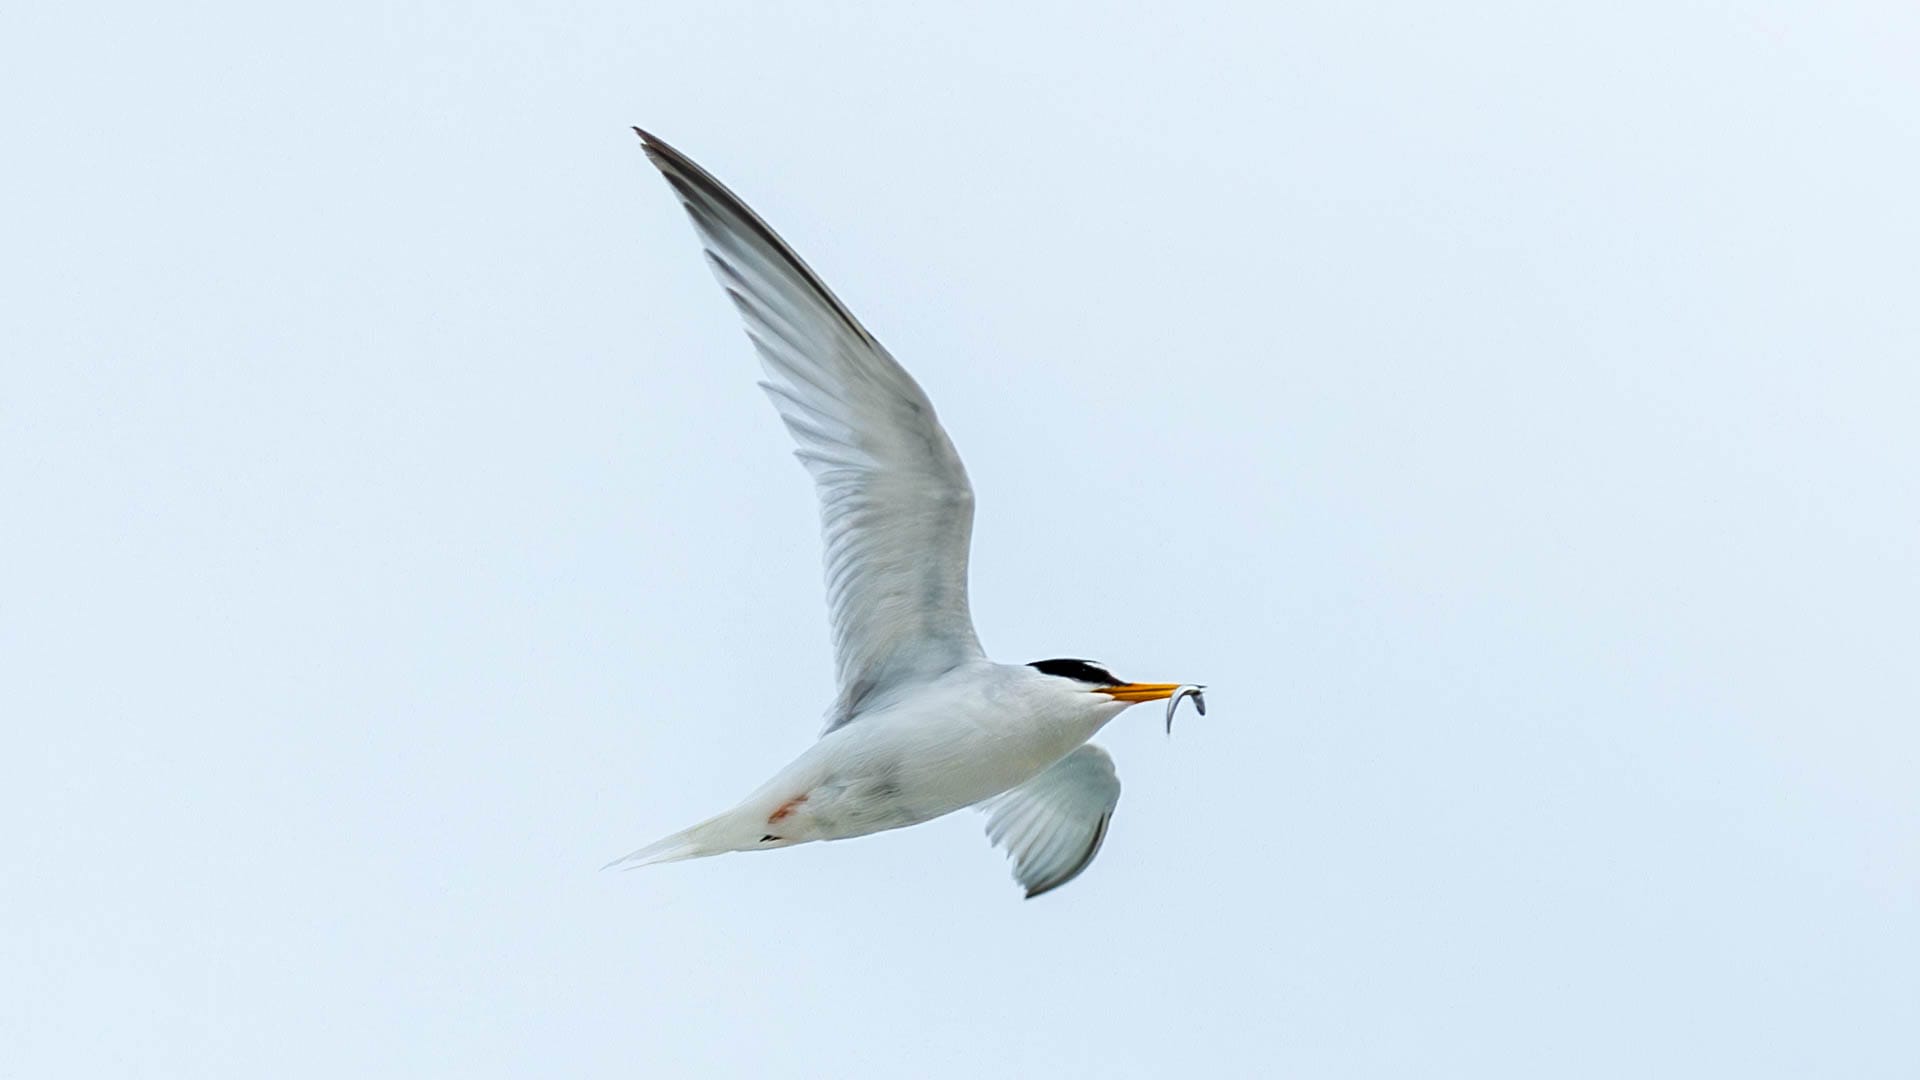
[714,836]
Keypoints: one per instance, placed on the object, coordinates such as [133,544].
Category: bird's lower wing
[1052,825]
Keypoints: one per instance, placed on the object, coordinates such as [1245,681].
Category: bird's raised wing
[1052,825]
[895,505]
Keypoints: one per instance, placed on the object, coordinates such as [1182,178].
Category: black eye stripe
[1077,670]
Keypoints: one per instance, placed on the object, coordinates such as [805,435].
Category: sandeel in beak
[1182,694]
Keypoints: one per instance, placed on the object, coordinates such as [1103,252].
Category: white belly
[944,748]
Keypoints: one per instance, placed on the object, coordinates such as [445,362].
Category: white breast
[963,738]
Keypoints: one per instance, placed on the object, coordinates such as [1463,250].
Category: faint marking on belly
[786,809]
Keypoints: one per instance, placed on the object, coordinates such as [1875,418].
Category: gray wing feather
[895,505]
[1052,825]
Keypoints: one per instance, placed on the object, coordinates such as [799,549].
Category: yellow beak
[1141,691]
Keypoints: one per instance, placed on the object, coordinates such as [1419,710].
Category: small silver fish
[1185,692]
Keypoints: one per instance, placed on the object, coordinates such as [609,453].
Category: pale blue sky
[1508,409]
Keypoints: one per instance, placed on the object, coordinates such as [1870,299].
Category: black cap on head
[1077,670]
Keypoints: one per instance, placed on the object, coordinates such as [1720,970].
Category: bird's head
[1099,680]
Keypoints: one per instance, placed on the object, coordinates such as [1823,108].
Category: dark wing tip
[1099,837]
[661,154]
[1042,890]
[701,193]
[669,161]
[1044,887]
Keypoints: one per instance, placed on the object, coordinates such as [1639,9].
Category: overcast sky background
[1509,412]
